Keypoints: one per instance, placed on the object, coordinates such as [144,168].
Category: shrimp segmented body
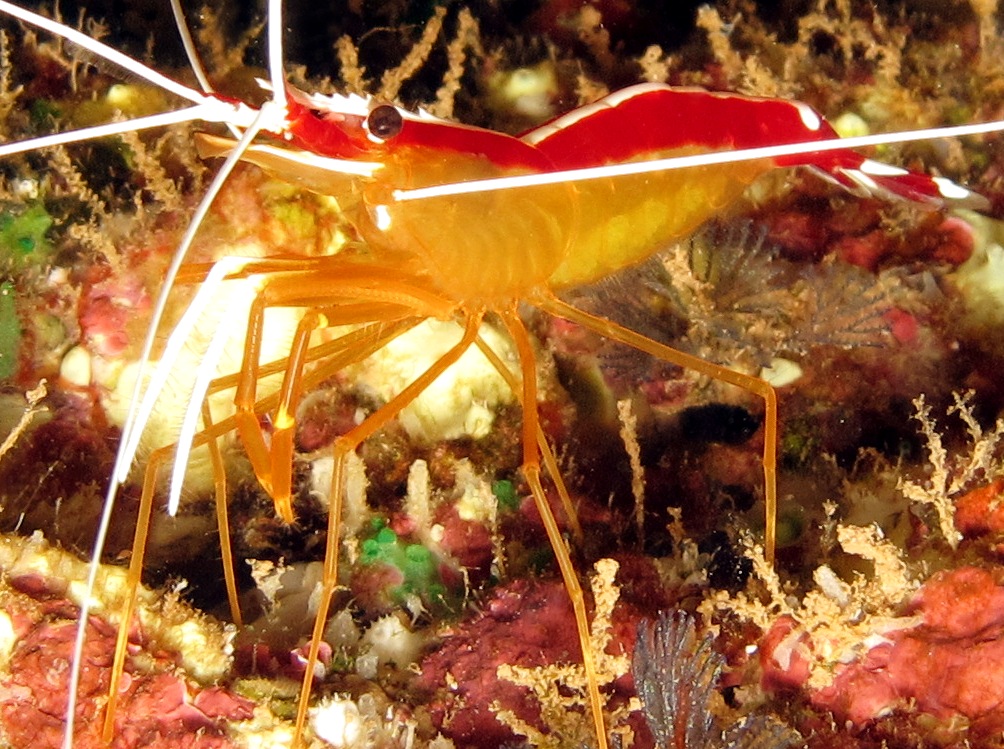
[536,240]
[432,244]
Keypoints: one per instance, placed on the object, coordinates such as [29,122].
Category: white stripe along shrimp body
[437,246]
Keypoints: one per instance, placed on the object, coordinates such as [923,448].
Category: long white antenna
[698,159]
[207,108]
[212,110]
[122,467]
[271,117]
[103,51]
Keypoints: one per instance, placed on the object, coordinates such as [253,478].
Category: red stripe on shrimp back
[652,120]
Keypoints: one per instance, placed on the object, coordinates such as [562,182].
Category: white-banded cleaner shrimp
[346,291]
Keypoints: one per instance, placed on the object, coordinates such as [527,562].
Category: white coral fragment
[459,403]
[337,721]
[392,642]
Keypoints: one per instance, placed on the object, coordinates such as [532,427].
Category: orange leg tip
[284,509]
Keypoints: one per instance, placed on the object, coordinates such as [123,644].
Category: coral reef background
[880,323]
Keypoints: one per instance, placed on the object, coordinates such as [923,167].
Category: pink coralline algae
[470,659]
[105,311]
[859,237]
[981,511]
[948,665]
[158,708]
[527,624]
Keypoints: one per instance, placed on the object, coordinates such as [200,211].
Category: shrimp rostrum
[461,224]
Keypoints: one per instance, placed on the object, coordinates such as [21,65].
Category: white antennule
[169,358]
[207,108]
[694,160]
[275,57]
[205,373]
[189,44]
[193,57]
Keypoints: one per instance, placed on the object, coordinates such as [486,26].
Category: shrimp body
[483,248]
[463,256]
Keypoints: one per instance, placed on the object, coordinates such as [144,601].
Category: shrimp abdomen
[624,225]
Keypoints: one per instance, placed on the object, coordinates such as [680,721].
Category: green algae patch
[22,237]
[10,331]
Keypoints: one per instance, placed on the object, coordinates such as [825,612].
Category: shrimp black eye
[384,122]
